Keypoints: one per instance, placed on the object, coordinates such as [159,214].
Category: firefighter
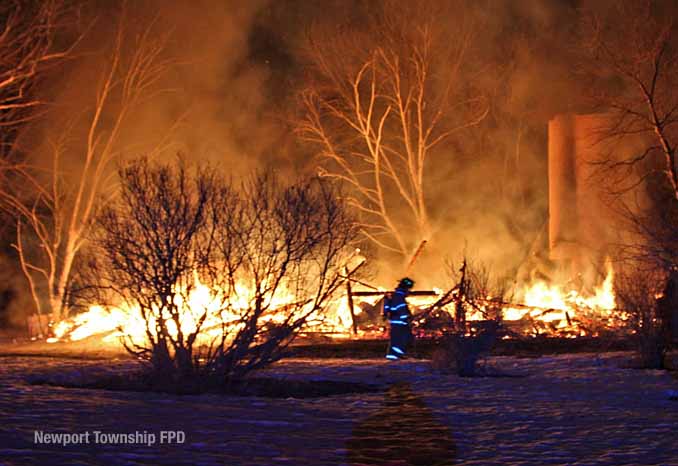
[399,318]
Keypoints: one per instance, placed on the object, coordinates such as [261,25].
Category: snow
[579,409]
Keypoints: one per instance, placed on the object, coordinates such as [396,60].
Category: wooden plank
[349,295]
[382,293]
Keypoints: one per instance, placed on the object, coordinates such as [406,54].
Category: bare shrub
[638,292]
[265,259]
[153,241]
[460,353]
[460,350]
[290,242]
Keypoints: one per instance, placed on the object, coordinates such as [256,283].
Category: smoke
[487,188]
[217,83]
[492,199]
[237,67]
[211,103]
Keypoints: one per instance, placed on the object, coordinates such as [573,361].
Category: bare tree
[633,58]
[269,256]
[634,51]
[384,101]
[32,42]
[53,222]
[28,47]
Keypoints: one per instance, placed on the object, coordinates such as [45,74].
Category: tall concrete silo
[582,221]
[562,187]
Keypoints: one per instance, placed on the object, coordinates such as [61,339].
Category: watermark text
[98,437]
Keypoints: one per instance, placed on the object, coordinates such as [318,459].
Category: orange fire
[568,312]
[546,308]
[126,321]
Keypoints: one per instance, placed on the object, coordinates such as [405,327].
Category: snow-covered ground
[573,409]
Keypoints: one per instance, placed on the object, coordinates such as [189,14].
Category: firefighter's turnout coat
[399,317]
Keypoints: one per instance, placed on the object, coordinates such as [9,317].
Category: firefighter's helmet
[406,283]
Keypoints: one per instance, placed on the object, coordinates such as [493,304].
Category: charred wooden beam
[349,293]
[349,296]
[382,293]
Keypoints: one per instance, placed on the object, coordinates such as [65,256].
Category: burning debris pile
[552,309]
[115,322]
[541,309]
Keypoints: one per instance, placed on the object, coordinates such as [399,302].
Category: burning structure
[581,224]
[578,300]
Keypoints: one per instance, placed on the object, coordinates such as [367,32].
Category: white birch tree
[52,225]
[384,101]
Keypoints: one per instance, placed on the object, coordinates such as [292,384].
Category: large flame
[545,308]
[567,311]
[126,320]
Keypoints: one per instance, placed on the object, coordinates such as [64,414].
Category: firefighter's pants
[401,336]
